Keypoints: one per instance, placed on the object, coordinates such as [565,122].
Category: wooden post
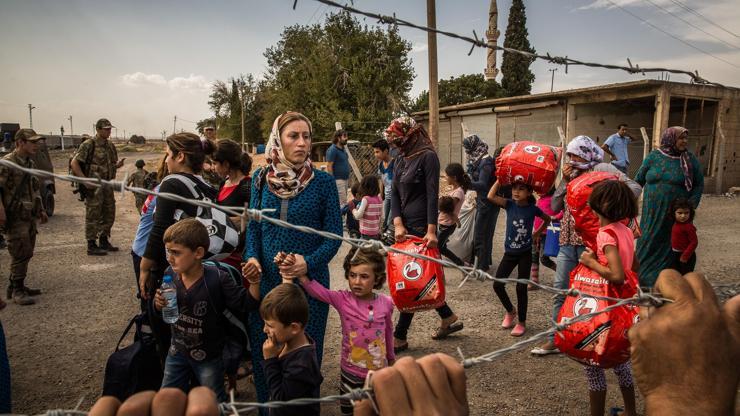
[662,111]
[433,91]
[563,145]
[353,164]
[720,152]
[645,142]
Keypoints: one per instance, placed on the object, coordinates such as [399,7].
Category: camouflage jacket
[103,161]
[28,205]
[137,178]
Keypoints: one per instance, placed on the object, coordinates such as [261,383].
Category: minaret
[492,36]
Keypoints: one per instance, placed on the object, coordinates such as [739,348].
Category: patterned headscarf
[285,179]
[475,150]
[584,147]
[668,147]
[409,136]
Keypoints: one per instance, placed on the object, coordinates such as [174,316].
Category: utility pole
[71,129]
[433,91]
[174,126]
[30,115]
[552,79]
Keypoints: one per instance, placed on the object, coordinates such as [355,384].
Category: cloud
[139,78]
[419,47]
[191,82]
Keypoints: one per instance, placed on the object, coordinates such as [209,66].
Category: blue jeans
[178,370]
[566,261]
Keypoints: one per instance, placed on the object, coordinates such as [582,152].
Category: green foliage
[459,90]
[226,101]
[340,71]
[517,78]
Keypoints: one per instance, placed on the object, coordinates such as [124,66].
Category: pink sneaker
[509,319]
[518,330]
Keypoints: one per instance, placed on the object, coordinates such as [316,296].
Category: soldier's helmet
[139,163]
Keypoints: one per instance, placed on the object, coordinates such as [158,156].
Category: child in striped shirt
[370,211]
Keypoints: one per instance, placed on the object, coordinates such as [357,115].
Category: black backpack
[136,367]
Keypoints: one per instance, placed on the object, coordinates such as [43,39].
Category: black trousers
[522,261]
[682,268]
[443,235]
[485,225]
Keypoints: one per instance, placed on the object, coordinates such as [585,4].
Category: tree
[339,72]
[458,90]
[227,100]
[517,78]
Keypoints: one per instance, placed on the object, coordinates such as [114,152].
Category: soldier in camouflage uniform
[100,204]
[137,179]
[20,211]
[209,172]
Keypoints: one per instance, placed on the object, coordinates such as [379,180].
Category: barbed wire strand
[475,41]
[641,299]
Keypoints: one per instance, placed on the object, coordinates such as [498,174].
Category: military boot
[94,250]
[106,245]
[31,292]
[20,297]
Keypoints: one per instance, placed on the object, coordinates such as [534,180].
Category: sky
[141,63]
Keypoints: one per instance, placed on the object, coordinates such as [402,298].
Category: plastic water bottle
[170,313]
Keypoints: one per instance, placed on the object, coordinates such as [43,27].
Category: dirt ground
[58,347]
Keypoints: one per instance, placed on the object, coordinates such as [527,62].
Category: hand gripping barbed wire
[475,41]
[232,407]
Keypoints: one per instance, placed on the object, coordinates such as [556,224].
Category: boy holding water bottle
[202,295]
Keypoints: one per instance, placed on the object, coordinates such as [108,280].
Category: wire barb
[475,42]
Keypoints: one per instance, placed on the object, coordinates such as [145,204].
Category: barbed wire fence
[477,42]
[246,214]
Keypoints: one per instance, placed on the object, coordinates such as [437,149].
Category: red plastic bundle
[601,340]
[415,284]
[532,163]
[586,221]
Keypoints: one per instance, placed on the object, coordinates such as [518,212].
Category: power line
[690,10]
[478,42]
[691,24]
[672,35]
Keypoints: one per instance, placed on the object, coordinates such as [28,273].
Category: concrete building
[712,115]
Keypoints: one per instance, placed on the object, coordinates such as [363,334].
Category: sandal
[401,347]
[539,351]
[450,329]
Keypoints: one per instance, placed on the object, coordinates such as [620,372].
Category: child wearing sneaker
[520,214]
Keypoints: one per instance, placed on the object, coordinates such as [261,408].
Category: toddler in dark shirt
[291,367]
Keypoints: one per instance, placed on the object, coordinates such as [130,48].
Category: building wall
[600,120]
[728,146]
[537,124]
[596,113]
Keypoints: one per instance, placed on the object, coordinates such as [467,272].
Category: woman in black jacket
[482,168]
[186,153]
[414,196]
